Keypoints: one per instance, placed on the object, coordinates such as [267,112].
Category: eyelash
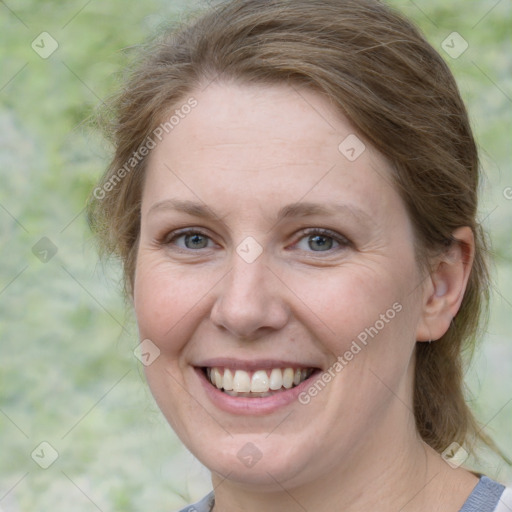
[341,240]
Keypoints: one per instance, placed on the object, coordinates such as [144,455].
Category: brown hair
[396,90]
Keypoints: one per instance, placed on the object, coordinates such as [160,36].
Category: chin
[255,461]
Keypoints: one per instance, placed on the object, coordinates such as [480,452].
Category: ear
[444,290]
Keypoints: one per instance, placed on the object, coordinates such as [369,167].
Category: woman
[293,197]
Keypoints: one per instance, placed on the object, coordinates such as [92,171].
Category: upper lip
[252,364]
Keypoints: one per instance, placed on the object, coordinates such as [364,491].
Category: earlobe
[448,282]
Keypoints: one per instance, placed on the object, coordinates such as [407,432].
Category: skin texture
[244,153]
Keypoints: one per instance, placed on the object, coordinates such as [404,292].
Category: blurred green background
[68,375]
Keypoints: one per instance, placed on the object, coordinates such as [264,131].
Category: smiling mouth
[256,384]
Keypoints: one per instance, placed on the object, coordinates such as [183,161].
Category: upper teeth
[259,381]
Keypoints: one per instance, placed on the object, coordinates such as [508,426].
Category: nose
[250,301]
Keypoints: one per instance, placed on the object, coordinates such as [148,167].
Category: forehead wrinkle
[292,210]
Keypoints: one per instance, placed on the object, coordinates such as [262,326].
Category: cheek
[166,305]
[351,298]
[163,300]
[365,317]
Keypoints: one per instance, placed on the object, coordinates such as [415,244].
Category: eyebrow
[298,209]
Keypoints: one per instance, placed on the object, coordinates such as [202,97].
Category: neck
[384,474]
[390,469]
[426,484]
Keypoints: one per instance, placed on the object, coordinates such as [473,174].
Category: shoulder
[205,505]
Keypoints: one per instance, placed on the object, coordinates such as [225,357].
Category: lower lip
[252,406]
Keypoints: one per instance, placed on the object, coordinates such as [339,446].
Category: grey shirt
[486,497]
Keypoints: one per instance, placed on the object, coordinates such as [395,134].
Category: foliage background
[68,375]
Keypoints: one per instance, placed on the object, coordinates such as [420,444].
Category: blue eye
[312,240]
[321,240]
[191,240]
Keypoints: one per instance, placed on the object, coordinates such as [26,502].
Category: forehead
[243,144]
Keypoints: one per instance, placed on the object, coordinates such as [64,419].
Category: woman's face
[271,238]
